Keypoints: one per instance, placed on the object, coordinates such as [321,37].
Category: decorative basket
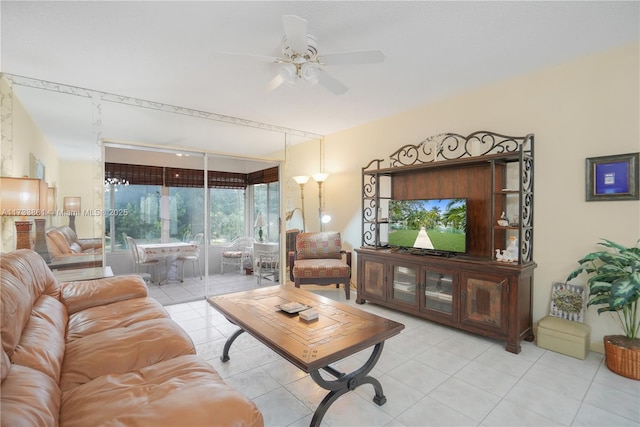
[620,359]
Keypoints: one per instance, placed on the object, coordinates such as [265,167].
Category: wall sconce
[71,205]
[259,224]
[24,197]
[301,180]
[323,218]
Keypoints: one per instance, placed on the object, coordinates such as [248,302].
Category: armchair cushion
[318,245]
[319,259]
[309,268]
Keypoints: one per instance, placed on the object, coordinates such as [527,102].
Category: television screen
[429,224]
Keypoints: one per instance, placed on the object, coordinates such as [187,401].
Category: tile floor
[175,292]
[432,376]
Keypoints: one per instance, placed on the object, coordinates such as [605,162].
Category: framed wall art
[612,177]
[36,167]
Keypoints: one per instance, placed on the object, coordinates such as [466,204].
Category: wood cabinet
[483,297]
[475,291]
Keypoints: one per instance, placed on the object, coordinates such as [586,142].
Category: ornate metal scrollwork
[452,147]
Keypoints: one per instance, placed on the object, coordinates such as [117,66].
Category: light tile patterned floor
[432,376]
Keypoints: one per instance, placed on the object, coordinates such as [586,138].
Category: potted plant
[614,286]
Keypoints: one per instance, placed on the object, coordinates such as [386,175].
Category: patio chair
[267,257]
[137,262]
[237,253]
[194,258]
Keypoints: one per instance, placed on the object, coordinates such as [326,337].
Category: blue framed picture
[612,177]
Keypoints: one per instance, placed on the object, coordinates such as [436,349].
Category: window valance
[192,178]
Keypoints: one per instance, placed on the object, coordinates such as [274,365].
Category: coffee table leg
[347,382]
[227,345]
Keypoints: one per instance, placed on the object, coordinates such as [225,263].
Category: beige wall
[583,108]
[23,138]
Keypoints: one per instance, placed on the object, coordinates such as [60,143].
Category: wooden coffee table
[339,331]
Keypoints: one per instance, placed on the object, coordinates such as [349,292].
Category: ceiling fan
[301,59]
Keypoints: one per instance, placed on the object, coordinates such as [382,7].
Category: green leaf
[598,287]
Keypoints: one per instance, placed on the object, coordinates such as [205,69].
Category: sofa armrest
[77,296]
[90,244]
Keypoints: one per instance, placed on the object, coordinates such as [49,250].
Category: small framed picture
[36,167]
[612,177]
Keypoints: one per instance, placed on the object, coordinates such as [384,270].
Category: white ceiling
[170,52]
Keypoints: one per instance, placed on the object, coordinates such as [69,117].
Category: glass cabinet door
[439,291]
[404,284]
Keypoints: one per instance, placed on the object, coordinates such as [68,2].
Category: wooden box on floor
[564,336]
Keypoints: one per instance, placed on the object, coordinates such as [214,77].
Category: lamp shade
[320,177]
[23,196]
[259,221]
[300,179]
[71,204]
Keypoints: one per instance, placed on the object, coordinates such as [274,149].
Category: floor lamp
[25,197]
[302,180]
[320,178]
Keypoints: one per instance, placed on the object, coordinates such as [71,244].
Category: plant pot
[623,355]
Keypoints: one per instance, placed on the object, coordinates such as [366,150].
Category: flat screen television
[436,226]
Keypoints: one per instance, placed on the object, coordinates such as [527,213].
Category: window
[186,208]
[226,214]
[266,200]
[162,204]
[135,213]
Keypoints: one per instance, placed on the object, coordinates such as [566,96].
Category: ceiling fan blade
[331,83]
[275,83]
[357,57]
[295,29]
[252,56]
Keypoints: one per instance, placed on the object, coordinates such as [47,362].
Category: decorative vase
[622,355]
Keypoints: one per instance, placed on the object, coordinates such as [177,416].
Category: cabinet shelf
[472,291]
[438,295]
[491,299]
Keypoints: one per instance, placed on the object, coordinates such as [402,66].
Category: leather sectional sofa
[99,353]
[64,241]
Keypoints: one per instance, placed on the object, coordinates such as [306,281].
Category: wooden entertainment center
[473,291]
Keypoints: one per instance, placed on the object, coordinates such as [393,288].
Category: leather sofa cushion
[33,272]
[29,398]
[110,352]
[15,306]
[155,396]
[57,243]
[47,327]
[117,315]
[78,296]
[5,365]
[24,279]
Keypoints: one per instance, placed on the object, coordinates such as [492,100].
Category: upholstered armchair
[318,259]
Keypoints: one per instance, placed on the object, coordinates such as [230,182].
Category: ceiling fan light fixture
[289,74]
[310,73]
